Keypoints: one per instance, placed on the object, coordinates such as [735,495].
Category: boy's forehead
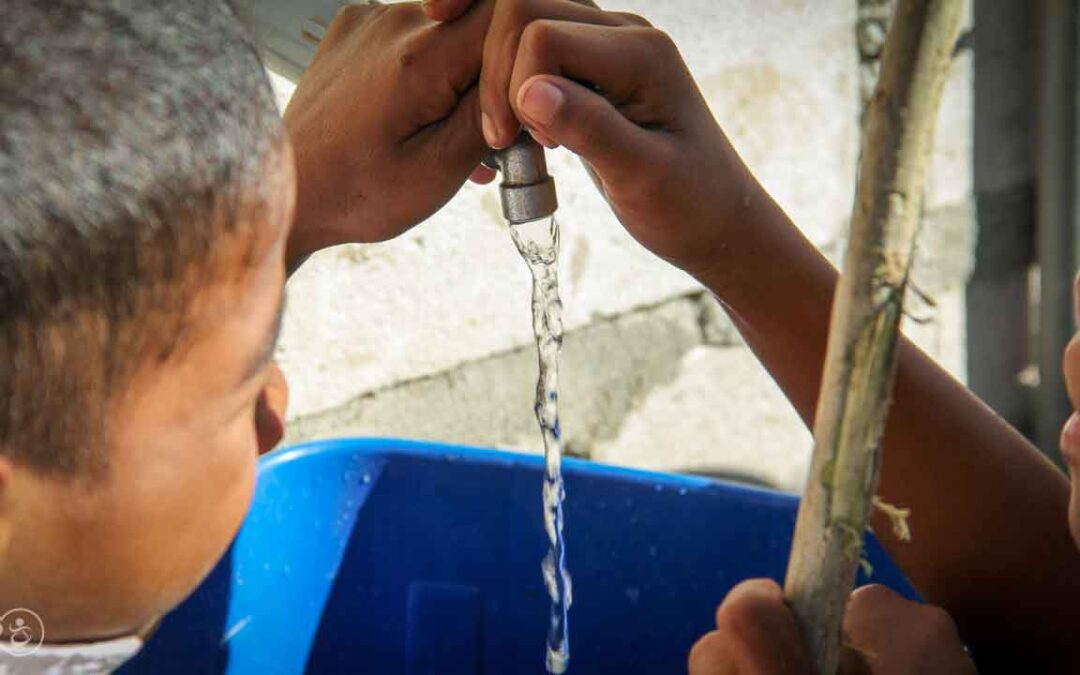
[260,239]
[276,193]
[227,339]
[238,299]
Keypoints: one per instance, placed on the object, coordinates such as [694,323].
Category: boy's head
[146,191]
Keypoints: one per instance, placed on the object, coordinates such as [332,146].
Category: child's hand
[755,634]
[384,124]
[1070,434]
[614,90]
[884,634]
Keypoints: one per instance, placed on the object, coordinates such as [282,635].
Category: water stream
[538,243]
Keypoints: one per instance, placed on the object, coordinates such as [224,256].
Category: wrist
[770,274]
[746,227]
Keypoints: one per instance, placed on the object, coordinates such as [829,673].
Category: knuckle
[412,46]
[514,13]
[709,651]
[938,622]
[351,15]
[747,608]
[868,598]
[345,20]
[539,36]
[657,41]
[869,609]
[404,15]
[631,19]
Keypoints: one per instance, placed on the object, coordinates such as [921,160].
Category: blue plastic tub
[389,556]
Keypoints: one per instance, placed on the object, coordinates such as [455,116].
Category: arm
[988,511]
[990,541]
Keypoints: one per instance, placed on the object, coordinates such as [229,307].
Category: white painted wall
[781,77]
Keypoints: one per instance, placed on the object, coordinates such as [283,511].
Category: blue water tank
[397,557]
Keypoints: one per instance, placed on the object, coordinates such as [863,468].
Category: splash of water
[538,243]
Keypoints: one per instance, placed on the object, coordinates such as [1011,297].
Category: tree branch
[861,356]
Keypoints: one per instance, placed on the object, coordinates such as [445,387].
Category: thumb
[566,113]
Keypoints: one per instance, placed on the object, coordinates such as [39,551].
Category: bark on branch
[864,330]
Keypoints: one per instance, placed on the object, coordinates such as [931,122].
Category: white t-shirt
[90,658]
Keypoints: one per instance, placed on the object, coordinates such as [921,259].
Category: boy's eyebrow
[266,351]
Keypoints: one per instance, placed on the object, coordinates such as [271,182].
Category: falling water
[538,243]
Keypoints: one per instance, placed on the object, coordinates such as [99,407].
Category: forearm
[990,542]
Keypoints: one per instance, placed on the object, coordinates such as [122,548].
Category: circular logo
[21,632]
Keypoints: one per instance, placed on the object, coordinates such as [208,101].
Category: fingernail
[488,127]
[540,101]
[541,138]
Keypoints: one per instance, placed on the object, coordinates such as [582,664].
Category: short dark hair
[132,137]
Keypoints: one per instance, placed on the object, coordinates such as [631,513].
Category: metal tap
[526,190]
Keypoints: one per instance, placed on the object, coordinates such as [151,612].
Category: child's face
[102,558]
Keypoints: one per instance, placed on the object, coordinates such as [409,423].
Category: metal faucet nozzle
[527,191]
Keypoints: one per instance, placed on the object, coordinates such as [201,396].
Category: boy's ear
[270,410]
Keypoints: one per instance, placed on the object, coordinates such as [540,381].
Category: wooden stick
[861,356]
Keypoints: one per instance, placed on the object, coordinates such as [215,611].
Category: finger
[454,147]
[872,605]
[713,654]
[631,67]
[446,10]
[482,175]
[761,628]
[565,113]
[445,62]
[1070,364]
[509,20]
[853,662]
[619,62]
[929,644]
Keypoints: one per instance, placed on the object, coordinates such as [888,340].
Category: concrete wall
[429,336]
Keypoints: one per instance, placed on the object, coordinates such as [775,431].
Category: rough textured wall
[429,336]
